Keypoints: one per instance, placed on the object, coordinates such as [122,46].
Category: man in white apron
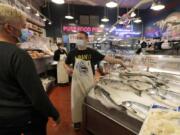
[83,59]
[60,56]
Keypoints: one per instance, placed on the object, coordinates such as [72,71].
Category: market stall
[122,99]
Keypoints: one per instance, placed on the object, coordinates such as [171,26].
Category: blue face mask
[25,34]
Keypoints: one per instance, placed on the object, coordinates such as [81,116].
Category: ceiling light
[128,26]
[37,14]
[69,17]
[44,19]
[50,23]
[105,19]
[102,26]
[121,22]
[112,29]
[58,1]
[111,4]
[157,6]
[133,14]
[137,20]
[28,7]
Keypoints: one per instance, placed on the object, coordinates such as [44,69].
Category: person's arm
[56,56]
[69,60]
[23,70]
[99,57]
[69,69]
[114,61]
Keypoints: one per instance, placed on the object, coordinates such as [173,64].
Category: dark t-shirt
[57,54]
[89,55]
[21,91]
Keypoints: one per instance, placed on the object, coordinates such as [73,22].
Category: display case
[120,101]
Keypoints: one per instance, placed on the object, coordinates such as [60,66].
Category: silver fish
[137,73]
[125,85]
[167,97]
[138,109]
[142,79]
[115,84]
[105,99]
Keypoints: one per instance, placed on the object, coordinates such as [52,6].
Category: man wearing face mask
[60,56]
[24,105]
[83,60]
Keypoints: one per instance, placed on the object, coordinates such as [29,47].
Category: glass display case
[120,101]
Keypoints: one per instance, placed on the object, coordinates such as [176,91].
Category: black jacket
[21,91]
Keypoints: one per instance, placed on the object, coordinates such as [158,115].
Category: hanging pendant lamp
[69,16]
[111,4]
[58,1]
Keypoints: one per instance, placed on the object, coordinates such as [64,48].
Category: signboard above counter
[82,28]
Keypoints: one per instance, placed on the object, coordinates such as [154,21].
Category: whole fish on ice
[167,97]
[137,109]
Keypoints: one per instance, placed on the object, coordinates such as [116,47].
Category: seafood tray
[161,122]
[137,91]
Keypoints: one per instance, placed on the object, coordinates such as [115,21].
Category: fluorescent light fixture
[102,25]
[157,6]
[37,14]
[133,14]
[105,19]
[137,20]
[44,19]
[128,26]
[58,1]
[111,4]
[121,22]
[28,7]
[69,17]
[112,29]
[50,23]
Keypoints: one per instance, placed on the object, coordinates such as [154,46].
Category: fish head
[152,91]
[126,103]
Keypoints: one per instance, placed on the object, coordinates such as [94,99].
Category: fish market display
[161,122]
[137,91]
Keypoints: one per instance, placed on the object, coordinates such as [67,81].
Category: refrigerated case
[103,116]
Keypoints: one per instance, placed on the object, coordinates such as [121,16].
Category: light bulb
[105,19]
[157,6]
[137,20]
[28,7]
[133,14]
[102,26]
[69,17]
[58,1]
[37,14]
[111,4]
[44,19]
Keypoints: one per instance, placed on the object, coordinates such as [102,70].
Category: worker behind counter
[60,55]
[83,60]
[24,104]
[143,44]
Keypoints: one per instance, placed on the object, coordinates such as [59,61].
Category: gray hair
[9,14]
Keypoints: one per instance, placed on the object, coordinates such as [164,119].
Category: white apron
[82,81]
[62,75]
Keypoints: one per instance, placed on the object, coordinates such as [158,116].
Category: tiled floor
[60,97]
